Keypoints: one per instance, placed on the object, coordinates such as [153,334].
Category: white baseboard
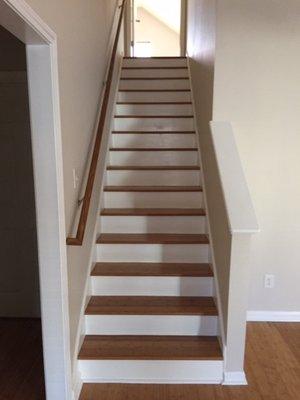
[235,378]
[77,387]
[274,316]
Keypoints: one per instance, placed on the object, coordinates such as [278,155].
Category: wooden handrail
[78,240]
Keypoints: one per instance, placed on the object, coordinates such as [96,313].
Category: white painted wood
[155,96]
[156,371]
[149,140]
[274,316]
[153,199]
[148,224]
[240,210]
[212,259]
[154,62]
[192,325]
[154,73]
[150,178]
[154,109]
[235,378]
[153,158]
[154,124]
[153,252]
[154,84]
[151,286]
[48,177]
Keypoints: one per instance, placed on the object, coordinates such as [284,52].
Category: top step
[155,62]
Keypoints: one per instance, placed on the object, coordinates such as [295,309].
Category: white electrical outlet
[269,281]
[75,178]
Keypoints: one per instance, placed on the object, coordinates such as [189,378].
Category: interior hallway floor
[272,368]
[21,359]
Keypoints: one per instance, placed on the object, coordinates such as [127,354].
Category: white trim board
[237,378]
[273,316]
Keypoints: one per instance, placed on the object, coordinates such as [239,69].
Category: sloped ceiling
[167,11]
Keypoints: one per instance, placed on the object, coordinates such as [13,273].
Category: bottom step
[151,359]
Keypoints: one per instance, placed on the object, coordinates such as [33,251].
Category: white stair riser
[160,84]
[151,325]
[153,253]
[154,96]
[148,224]
[155,62]
[154,178]
[151,371]
[151,286]
[138,140]
[153,124]
[153,109]
[153,157]
[154,73]
[153,199]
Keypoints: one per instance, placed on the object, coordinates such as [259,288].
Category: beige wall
[165,41]
[19,278]
[257,79]
[83,30]
[201,50]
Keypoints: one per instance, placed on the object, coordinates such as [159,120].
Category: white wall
[83,30]
[164,41]
[257,77]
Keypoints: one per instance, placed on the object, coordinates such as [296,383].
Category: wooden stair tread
[111,347]
[152,238]
[153,132]
[153,149]
[155,78]
[153,102]
[153,212]
[153,189]
[152,116]
[154,90]
[154,67]
[151,269]
[151,305]
[153,167]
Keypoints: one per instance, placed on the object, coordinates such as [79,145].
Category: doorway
[157,28]
[20,322]
[40,44]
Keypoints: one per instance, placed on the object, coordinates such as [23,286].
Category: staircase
[151,316]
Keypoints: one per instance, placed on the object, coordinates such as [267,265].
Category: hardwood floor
[21,360]
[272,368]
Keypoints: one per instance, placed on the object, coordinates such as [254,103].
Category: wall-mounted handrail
[78,239]
[240,211]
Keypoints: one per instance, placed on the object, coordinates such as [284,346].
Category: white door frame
[41,48]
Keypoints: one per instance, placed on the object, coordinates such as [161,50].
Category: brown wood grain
[151,269]
[78,240]
[150,348]
[153,189]
[151,305]
[153,167]
[158,78]
[272,368]
[153,149]
[154,116]
[152,238]
[159,212]
[155,132]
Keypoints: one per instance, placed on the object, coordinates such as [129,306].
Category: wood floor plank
[150,348]
[151,269]
[268,377]
[153,168]
[152,238]
[151,305]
